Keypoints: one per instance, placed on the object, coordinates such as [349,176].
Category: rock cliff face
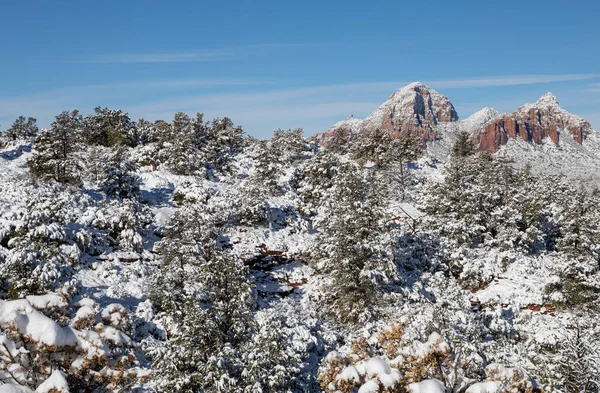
[419,110]
[415,109]
[532,123]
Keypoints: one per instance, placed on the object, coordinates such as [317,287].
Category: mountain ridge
[420,110]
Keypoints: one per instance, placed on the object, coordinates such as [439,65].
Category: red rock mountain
[415,108]
[533,123]
[420,110]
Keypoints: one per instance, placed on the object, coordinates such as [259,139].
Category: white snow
[371,386]
[381,368]
[427,386]
[47,301]
[484,387]
[56,383]
[28,321]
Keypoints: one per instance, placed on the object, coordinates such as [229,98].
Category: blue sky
[277,64]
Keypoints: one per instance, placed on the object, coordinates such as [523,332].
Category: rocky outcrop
[419,110]
[532,123]
[414,109]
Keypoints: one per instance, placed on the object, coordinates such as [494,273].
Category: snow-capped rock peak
[414,108]
[411,90]
[484,115]
[479,119]
[547,99]
[534,123]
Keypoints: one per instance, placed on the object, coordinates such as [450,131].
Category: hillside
[185,256]
[541,135]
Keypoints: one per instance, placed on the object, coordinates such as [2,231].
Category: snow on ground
[114,281]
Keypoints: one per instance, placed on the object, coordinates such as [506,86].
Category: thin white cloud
[176,83]
[595,88]
[196,56]
[77,96]
[514,80]
[258,108]
[185,57]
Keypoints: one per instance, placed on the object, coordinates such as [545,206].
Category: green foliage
[289,146]
[382,148]
[195,147]
[353,248]
[339,141]
[113,171]
[219,142]
[464,146]
[23,128]
[316,177]
[482,201]
[54,157]
[43,256]
[109,127]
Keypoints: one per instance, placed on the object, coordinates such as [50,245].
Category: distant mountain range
[541,134]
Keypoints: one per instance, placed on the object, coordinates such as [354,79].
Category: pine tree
[372,146]
[291,145]
[146,131]
[113,170]
[54,156]
[220,142]
[340,141]
[23,128]
[180,152]
[213,321]
[387,151]
[317,176]
[41,254]
[464,145]
[110,127]
[190,238]
[400,152]
[579,239]
[261,185]
[353,247]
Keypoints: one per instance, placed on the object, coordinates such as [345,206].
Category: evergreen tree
[400,152]
[113,170]
[146,131]
[42,255]
[23,128]
[316,178]
[385,150]
[340,141]
[54,157]
[163,133]
[209,298]
[464,145]
[290,144]
[180,152]
[261,185]
[353,247]
[372,146]
[219,142]
[110,127]
[579,239]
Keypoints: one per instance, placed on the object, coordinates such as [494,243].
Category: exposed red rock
[414,109]
[532,123]
[419,110]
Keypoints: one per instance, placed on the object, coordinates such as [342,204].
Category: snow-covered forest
[186,256]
